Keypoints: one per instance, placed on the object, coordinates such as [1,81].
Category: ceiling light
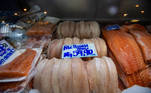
[7,24]
[135,20]
[16,14]
[125,15]
[45,12]
[25,9]
[142,12]
[137,5]
[3,21]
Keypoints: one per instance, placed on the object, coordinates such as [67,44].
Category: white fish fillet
[52,49]
[87,41]
[76,40]
[77,71]
[39,69]
[55,78]
[113,77]
[82,29]
[46,75]
[84,79]
[88,30]
[91,68]
[67,41]
[65,76]
[94,26]
[59,35]
[101,75]
[77,30]
[65,29]
[76,76]
[103,47]
[100,47]
[72,28]
[59,48]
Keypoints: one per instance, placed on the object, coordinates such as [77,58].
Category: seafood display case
[75,46]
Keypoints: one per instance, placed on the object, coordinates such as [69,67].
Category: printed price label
[6,50]
[112,27]
[79,50]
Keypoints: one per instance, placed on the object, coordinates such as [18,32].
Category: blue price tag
[6,50]
[113,27]
[78,50]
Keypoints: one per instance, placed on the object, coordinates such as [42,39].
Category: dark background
[9,7]
[85,9]
[13,5]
